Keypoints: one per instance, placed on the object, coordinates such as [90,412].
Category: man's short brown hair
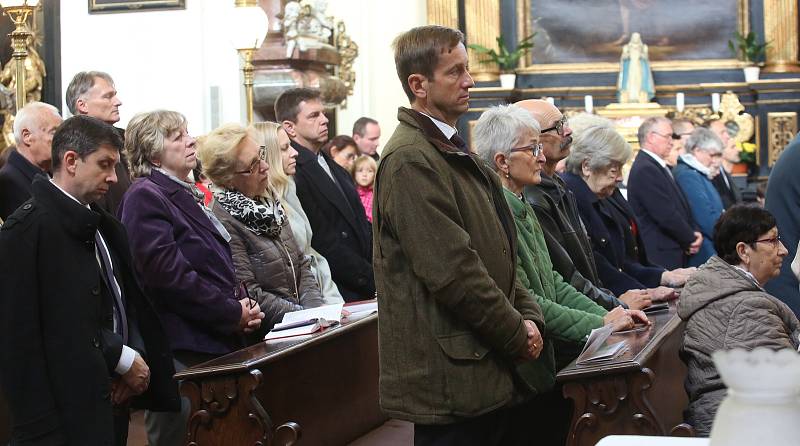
[287,106]
[417,51]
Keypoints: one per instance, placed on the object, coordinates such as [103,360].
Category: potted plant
[506,60]
[747,49]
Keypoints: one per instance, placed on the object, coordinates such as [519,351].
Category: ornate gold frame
[524,24]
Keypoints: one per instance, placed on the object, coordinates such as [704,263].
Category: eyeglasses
[559,126]
[672,136]
[533,149]
[772,241]
[262,156]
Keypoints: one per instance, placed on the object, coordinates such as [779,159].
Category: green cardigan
[568,314]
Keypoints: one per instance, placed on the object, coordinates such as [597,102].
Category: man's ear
[418,85]
[69,161]
[26,136]
[290,128]
[81,107]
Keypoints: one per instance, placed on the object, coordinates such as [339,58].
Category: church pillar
[443,12]
[483,27]
[780,30]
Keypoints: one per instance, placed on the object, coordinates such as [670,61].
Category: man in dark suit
[723,183]
[783,191]
[328,195]
[34,126]
[664,215]
[75,327]
[93,93]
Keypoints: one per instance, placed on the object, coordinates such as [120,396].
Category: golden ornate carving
[483,27]
[730,109]
[349,51]
[443,12]
[780,30]
[781,128]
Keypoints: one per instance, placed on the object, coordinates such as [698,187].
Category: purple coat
[184,265]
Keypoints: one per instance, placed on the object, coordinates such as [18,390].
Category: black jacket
[565,235]
[342,233]
[16,177]
[57,347]
[664,215]
[728,192]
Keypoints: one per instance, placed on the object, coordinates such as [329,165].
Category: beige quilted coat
[724,308]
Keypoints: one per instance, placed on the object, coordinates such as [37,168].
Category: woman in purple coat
[181,255]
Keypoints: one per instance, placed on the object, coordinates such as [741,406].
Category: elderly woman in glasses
[507,138]
[693,174]
[594,168]
[725,306]
[181,254]
[267,258]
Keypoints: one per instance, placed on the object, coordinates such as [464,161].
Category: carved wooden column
[782,127]
[780,30]
[483,27]
[443,12]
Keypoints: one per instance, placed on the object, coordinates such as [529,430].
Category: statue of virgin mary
[635,81]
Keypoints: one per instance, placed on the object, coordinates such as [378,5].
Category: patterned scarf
[262,216]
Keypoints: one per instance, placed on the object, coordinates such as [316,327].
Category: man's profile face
[659,140]
[448,90]
[555,146]
[95,174]
[368,144]
[40,138]
[100,102]
[311,123]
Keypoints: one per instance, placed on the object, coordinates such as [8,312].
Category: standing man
[34,126]
[367,135]
[92,93]
[723,182]
[665,218]
[783,190]
[328,195]
[75,328]
[683,128]
[454,319]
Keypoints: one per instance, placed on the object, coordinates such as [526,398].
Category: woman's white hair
[600,147]
[499,129]
[705,140]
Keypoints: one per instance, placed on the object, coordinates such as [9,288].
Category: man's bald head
[542,111]
[555,146]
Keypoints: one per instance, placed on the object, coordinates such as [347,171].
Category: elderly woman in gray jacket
[265,254]
[725,306]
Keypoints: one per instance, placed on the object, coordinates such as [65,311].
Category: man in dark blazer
[328,195]
[783,191]
[78,339]
[93,93]
[34,126]
[723,183]
[666,223]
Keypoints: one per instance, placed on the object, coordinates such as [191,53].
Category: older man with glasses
[665,217]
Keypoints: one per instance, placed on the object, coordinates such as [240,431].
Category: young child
[364,170]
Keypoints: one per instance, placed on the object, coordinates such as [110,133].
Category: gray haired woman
[693,174]
[594,168]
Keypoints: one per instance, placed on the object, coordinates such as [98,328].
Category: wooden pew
[317,391]
[639,393]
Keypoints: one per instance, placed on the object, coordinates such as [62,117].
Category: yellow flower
[746,147]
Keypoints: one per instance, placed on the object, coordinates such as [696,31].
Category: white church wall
[174,59]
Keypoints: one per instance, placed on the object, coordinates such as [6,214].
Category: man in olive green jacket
[453,319]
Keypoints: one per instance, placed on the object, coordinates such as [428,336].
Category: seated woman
[703,154]
[282,159]
[507,138]
[343,150]
[181,254]
[725,306]
[594,168]
[266,257]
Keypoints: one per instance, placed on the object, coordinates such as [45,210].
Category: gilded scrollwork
[348,50]
[781,127]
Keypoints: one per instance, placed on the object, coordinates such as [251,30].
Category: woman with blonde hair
[282,158]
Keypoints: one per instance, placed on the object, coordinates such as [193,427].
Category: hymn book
[306,322]
[596,349]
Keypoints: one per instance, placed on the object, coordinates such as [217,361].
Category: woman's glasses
[262,156]
[534,149]
[772,241]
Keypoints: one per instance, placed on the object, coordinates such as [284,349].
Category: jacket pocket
[462,346]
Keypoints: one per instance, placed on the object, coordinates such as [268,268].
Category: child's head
[364,170]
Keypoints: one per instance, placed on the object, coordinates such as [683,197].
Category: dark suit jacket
[783,191]
[57,345]
[184,264]
[730,195]
[16,177]
[342,233]
[616,252]
[664,215]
